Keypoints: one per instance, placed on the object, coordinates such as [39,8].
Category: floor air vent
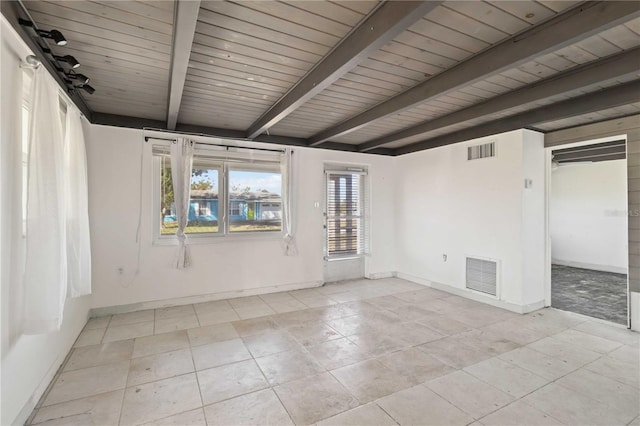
[482,275]
[486,150]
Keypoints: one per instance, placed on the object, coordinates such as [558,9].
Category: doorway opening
[588,230]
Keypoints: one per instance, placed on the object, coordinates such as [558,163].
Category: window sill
[348,257]
[203,240]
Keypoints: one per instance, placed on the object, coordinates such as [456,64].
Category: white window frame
[223,162]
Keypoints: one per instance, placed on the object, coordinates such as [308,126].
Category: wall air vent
[486,150]
[482,275]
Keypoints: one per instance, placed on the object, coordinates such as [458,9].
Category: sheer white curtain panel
[181,163]
[289,246]
[45,278]
[77,206]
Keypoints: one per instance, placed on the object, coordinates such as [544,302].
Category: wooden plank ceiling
[247,55]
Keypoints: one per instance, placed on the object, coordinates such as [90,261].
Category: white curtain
[288,241]
[77,206]
[181,162]
[45,278]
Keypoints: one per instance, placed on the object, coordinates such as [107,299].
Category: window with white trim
[231,193]
[345,224]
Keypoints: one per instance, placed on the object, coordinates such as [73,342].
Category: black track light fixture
[88,88]
[73,62]
[55,35]
[80,78]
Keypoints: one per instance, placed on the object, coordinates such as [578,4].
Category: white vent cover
[486,150]
[482,275]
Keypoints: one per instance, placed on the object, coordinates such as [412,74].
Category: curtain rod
[147,138]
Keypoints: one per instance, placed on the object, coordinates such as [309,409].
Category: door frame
[547,197]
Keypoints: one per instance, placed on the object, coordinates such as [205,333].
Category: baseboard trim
[165,303]
[513,307]
[590,266]
[381,275]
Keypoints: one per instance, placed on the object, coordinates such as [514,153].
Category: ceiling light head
[55,35]
[88,88]
[80,78]
[33,61]
[73,62]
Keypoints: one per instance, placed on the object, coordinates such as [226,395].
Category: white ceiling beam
[184,29]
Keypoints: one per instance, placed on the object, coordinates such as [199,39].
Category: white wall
[588,221]
[114,156]
[448,205]
[28,362]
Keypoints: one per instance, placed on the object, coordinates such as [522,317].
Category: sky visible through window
[257,181]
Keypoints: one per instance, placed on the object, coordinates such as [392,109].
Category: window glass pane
[255,201]
[203,206]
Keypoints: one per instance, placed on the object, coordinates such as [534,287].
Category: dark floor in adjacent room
[597,294]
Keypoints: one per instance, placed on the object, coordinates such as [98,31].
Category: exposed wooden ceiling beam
[382,26]
[615,66]
[608,98]
[563,30]
[184,29]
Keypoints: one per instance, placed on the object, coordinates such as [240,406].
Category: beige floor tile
[370,414]
[519,413]
[564,351]
[287,366]
[388,302]
[483,340]
[289,306]
[211,334]
[317,301]
[618,396]
[624,372]
[216,306]
[626,353]
[128,331]
[469,394]
[283,296]
[219,353]
[538,363]
[609,332]
[509,331]
[292,319]
[246,302]
[217,317]
[175,312]
[92,356]
[377,343]
[412,312]
[572,408]
[160,366]
[412,333]
[167,325]
[309,334]
[444,325]
[102,409]
[165,342]
[157,400]
[255,312]
[315,398]
[258,408]
[188,418]
[507,377]
[587,341]
[370,380]
[132,318]
[89,337]
[338,353]
[86,382]
[421,406]
[255,326]
[415,365]
[271,343]
[348,326]
[421,295]
[228,381]
[635,422]
[454,352]
[98,323]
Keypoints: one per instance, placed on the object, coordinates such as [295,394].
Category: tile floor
[381,352]
[597,294]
